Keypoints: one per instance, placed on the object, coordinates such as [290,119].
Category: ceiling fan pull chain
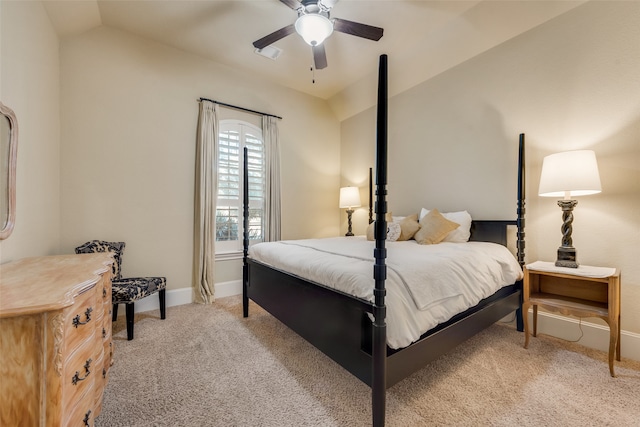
[313,75]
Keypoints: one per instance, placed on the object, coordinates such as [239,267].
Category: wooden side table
[583,292]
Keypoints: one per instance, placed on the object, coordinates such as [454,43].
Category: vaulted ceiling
[422,38]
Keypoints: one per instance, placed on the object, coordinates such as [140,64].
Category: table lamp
[569,174]
[349,198]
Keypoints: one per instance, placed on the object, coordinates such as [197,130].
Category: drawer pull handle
[104,292]
[86,418]
[76,320]
[104,333]
[104,373]
[77,378]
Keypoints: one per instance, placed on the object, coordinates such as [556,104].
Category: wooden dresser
[55,339]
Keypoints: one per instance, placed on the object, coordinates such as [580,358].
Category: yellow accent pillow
[433,228]
[408,227]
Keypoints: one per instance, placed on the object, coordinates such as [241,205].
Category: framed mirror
[8,159]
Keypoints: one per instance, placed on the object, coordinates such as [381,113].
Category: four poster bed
[352,330]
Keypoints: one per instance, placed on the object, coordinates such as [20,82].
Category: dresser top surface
[34,285]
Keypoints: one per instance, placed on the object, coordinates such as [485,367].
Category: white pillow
[460,234]
[393,231]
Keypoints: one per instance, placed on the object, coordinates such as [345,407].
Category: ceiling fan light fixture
[314,28]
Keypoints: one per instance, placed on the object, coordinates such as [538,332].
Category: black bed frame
[340,325]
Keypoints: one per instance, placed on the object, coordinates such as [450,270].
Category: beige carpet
[207,366]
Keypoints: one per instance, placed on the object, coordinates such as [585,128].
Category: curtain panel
[272,216]
[206,184]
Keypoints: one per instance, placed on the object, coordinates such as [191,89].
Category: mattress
[426,284]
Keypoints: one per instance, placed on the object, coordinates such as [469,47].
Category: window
[233,137]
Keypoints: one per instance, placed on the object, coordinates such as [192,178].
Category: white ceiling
[422,38]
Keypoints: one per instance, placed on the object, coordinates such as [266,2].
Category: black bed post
[370,195]
[245,235]
[520,221]
[379,352]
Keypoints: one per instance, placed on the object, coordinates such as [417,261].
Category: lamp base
[567,257]
[349,213]
[566,252]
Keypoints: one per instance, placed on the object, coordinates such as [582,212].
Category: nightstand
[584,292]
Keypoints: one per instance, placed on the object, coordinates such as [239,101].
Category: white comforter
[426,284]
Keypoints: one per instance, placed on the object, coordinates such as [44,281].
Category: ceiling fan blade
[319,57]
[293,4]
[274,37]
[357,29]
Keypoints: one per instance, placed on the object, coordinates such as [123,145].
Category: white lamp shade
[314,28]
[349,197]
[572,173]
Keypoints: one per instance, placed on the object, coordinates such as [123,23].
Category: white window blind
[233,137]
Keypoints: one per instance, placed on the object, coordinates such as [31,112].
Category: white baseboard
[172,297]
[185,296]
[227,289]
[593,335]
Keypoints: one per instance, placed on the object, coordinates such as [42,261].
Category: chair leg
[115,312]
[130,321]
[163,311]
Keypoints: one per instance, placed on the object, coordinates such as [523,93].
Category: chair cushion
[134,288]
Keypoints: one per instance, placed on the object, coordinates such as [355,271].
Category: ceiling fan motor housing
[314,6]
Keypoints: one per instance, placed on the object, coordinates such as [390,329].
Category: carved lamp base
[566,252]
[567,257]
[349,213]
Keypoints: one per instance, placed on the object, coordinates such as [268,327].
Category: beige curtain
[272,200]
[205,202]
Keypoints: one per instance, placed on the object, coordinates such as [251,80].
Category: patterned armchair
[129,290]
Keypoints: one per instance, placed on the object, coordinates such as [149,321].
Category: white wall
[29,85]
[571,83]
[129,115]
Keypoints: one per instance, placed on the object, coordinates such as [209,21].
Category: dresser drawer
[102,373]
[106,288]
[107,344]
[105,335]
[99,385]
[80,372]
[83,412]
[97,404]
[99,313]
[80,319]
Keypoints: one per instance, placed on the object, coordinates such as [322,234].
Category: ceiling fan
[314,25]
